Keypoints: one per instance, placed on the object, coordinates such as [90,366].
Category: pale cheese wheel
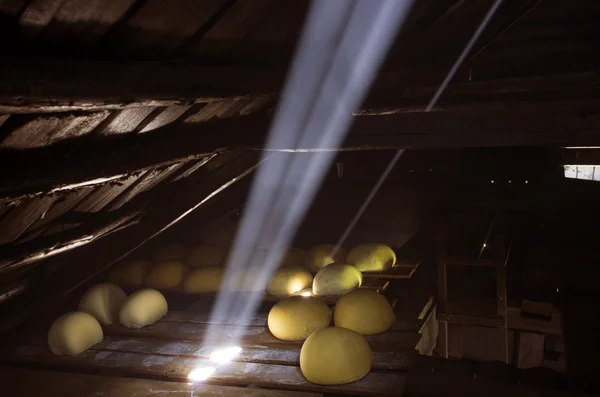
[205,255]
[322,255]
[336,279]
[143,307]
[297,317]
[204,280]
[289,280]
[170,252]
[73,333]
[130,273]
[364,311]
[372,257]
[335,356]
[103,301]
[166,275]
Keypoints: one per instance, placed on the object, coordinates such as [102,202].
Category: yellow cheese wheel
[372,257]
[321,256]
[170,252]
[166,275]
[206,255]
[288,280]
[335,356]
[143,307]
[297,317]
[336,279]
[364,311]
[130,273]
[206,279]
[73,333]
[103,301]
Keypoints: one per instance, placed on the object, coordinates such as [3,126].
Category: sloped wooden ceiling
[110,109]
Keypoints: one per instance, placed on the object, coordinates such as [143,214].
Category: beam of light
[201,373]
[339,53]
[225,355]
[306,294]
[429,107]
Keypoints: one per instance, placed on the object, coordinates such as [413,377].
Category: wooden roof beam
[43,85]
[54,85]
[576,124]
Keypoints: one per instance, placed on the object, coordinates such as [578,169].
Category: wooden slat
[178,368]
[514,321]
[27,382]
[248,335]
[383,360]
[256,320]
[400,271]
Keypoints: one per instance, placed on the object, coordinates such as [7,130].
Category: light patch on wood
[46,130]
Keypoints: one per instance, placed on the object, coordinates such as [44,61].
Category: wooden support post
[501,295]
[442,285]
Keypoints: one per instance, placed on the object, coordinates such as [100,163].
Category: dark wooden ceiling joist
[51,85]
[570,123]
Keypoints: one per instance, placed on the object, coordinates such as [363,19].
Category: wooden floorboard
[256,320]
[18,382]
[384,360]
[178,368]
[393,341]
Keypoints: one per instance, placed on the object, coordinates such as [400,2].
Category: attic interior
[137,131]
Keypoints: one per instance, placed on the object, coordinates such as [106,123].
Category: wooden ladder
[499,260]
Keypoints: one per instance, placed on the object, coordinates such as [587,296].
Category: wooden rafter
[163,211]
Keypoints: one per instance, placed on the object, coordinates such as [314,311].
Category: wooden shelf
[171,348]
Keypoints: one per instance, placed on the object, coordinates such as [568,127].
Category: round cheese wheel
[336,279]
[170,252]
[207,255]
[103,301]
[131,273]
[321,256]
[335,356]
[297,317]
[294,257]
[372,257]
[288,280]
[166,275]
[73,333]
[364,311]
[206,279]
[143,307]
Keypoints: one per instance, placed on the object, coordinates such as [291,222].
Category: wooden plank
[514,321]
[256,320]
[22,216]
[402,271]
[249,335]
[178,368]
[27,382]
[384,360]
[241,18]
[160,27]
